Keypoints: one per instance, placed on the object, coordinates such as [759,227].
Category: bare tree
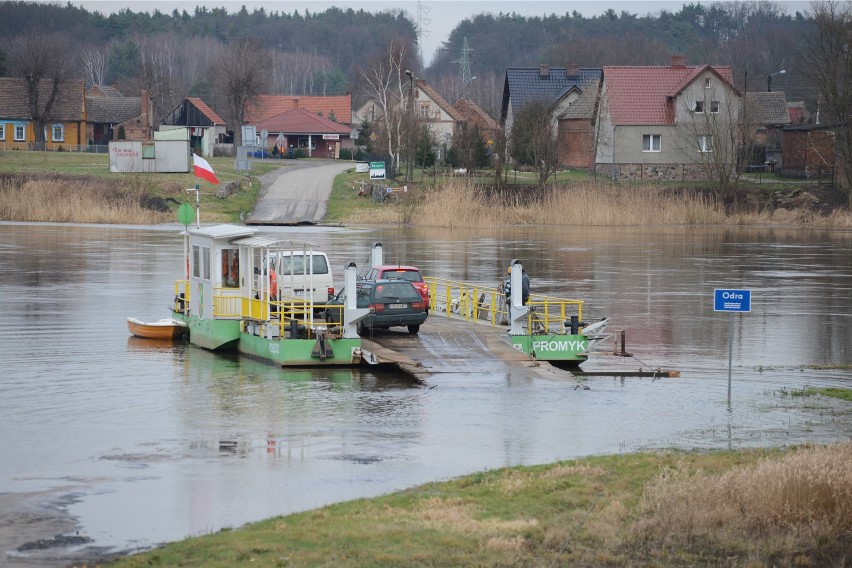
[708,134]
[44,60]
[827,60]
[93,66]
[387,83]
[533,140]
[243,68]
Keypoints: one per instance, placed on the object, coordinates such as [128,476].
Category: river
[112,445]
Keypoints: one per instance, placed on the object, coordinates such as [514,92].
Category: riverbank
[751,508]
[78,188]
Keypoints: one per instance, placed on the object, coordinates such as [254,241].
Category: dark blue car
[392,303]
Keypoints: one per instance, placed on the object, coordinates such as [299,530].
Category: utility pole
[409,176]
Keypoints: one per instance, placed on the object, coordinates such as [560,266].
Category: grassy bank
[79,188]
[751,508]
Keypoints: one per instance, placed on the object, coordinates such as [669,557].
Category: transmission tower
[464,69]
[423,22]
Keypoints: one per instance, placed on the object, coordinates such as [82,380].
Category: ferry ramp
[452,345]
[296,193]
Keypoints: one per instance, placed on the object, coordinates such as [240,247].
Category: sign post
[377,170]
[725,300]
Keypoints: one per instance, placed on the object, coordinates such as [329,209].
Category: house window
[58,133]
[714,107]
[707,83]
[149,151]
[2,132]
[424,110]
[651,142]
[699,107]
[20,133]
[705,143]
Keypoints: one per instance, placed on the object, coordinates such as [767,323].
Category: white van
[300,279]
[290,276]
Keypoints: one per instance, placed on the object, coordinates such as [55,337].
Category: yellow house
[66,122]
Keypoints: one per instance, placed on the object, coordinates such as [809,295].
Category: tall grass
[460,203]
[799,506]
[75,200]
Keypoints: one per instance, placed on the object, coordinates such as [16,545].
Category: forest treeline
[175,54]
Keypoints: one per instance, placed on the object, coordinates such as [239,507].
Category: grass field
[735,509]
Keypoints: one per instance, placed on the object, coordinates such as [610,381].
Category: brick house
[473,115]
[571,93]
[66,125]
[667,122]
[810,152]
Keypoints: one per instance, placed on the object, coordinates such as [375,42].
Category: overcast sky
[438,17]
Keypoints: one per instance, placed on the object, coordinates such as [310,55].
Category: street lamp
[410,164]
[769,79]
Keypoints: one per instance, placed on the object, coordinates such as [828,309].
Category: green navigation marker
[186,214]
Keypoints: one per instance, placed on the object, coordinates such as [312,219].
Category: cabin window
[652,142]
[58,133]
[705,143]
[196,261]
[20,133]
[205,262]
[714,107]
[230,268]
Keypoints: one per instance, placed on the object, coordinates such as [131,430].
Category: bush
[345,154]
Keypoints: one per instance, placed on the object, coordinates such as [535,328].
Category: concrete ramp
[297,193]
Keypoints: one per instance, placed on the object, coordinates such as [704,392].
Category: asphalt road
[296,193]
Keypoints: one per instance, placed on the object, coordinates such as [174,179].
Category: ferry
[543,327]
[232,299]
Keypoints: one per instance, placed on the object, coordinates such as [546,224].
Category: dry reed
[798,505]
[460,203]
[73,200]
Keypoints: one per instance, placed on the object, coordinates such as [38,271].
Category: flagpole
[197,208]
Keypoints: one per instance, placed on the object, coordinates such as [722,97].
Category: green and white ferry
[232,298]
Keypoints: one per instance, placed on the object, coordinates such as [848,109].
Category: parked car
[392,302]
[396,272]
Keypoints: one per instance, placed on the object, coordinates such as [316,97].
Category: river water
[134,445]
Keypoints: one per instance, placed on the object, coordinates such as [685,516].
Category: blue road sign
[731,300]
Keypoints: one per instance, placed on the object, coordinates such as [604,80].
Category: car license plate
[397,306]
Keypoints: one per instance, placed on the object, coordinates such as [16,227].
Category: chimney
[544,71]
[678,61]
[295,102]
[573,70]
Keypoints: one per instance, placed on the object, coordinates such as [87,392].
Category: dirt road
[296,193]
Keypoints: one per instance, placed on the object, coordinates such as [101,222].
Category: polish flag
[203,169]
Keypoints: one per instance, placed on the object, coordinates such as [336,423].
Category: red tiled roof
[430,92]
[300,121]
[206,111]
[641,95]
[271,105]
[473,113]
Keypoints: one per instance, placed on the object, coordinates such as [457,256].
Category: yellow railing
[482,303]
[182,296]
